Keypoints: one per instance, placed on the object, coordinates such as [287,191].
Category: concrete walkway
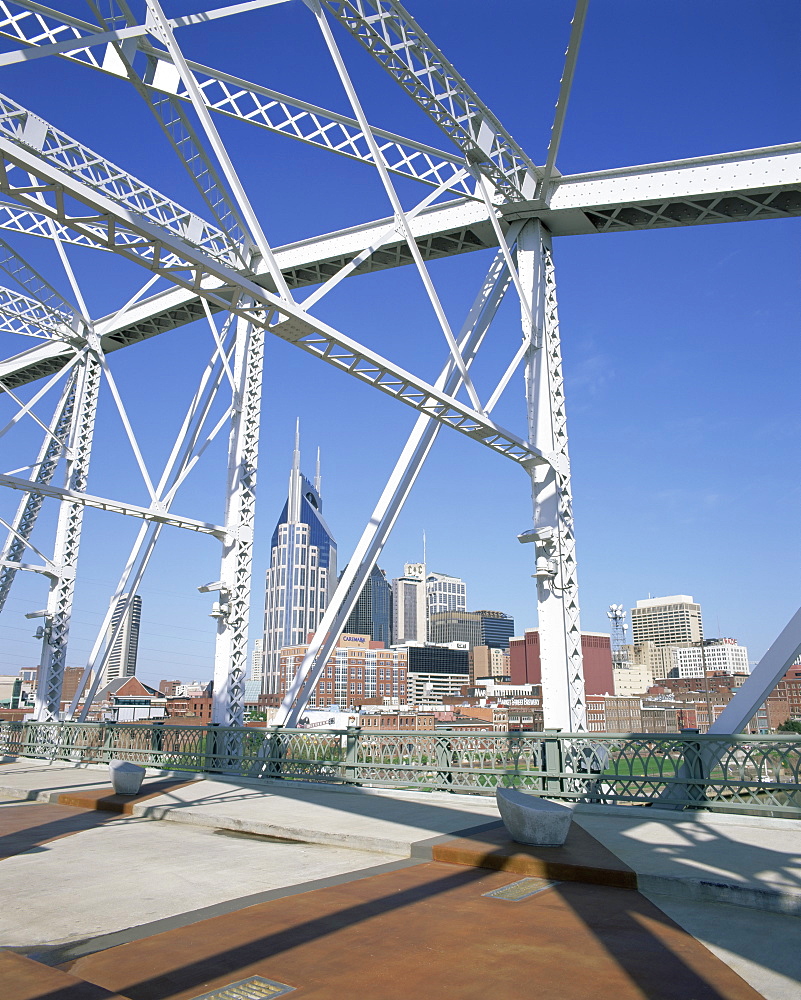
[79,882]
[742,860]
[380,820]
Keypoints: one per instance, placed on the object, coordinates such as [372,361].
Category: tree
[789,726]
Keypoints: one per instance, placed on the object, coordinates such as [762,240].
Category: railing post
[352,755]
[444,771]
[212,755]
[108,739]
[156,740]
[25,748]
[275,752]
[553,761]
[695,771]
[16,738]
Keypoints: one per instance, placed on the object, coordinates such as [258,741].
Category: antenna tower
[617,616]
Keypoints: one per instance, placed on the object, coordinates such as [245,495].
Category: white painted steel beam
[70,38]
[28,317]
[16,267]
[180,133]
[115,506]
[44,468]
[114,225]
[49,680]
[746,186]
[563,698]
[763,679]
[565,86]
[161,29]
[390,34]
[390,503]
[741,186]
[231,651]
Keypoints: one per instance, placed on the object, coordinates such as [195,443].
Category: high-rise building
[667,621]
[303,570]
[476,628]
[409,605]
[455,626]
[710,656]
[257,662]
[497,628]
[445,593]
[121,660]
[372,614]
[436,672]
[659,623]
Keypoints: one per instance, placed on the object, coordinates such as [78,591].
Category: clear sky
[680,346]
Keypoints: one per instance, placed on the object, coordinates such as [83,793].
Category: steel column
[68,537]
[557,586]
[231,660]
[43,471]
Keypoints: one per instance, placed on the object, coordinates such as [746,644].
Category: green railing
[760,775]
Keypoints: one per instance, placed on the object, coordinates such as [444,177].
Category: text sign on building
[350,640]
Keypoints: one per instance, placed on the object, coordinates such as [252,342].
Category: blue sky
[680,346]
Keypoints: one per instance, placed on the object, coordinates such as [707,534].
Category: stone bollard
[532,820]
[126,777]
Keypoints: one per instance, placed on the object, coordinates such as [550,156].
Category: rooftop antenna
[296,453]
[424,548]
[617,616]
[317,477]
[295,491]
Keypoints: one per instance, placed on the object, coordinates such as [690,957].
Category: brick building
[387,722]
[789,689]
[197,709]
[596,648]
[359,669]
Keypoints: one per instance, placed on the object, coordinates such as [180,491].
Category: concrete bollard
[532,820]
[126,777]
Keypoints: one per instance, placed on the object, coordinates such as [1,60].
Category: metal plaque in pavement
[255,988]
[521,890]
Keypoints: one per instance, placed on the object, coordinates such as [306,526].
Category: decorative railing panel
[754,774]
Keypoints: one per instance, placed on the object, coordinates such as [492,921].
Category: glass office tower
[302,574]
[373,612]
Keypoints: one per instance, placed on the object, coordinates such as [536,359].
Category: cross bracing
[58,188]
[752,185]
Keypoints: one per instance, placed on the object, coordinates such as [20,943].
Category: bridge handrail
[760,775]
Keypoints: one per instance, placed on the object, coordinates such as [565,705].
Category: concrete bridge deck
[329,886]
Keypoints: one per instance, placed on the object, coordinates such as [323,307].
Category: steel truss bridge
[481,191]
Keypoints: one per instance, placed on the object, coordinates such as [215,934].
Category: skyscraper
[497,628]
[409,604]
[667,621]
[476,628]
[445,593]
[373,612]
[660,623]
[303,570]
[121,660]
[454,626]
[257,662]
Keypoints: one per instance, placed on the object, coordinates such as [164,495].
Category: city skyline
[658,330]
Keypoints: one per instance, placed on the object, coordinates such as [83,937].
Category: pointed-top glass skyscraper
[303,570]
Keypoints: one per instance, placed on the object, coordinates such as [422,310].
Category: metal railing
[759,775]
